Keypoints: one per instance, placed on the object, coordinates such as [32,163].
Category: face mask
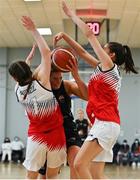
[16,139]
[6,140]
[124,143]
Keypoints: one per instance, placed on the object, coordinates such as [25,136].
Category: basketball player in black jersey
[62,90]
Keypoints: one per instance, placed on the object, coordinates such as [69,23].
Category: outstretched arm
[29,60]
[78,88]
[31,55]
[102,55]
[44,73]
[77,47]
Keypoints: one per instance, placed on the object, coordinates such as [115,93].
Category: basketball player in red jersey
[62,90]
[46,138]
[103,93]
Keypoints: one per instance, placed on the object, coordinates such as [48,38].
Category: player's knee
[78,165]
[52,173]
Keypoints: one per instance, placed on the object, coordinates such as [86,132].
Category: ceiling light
[44,31]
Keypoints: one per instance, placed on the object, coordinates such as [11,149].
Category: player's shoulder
[69,82]
[68,85]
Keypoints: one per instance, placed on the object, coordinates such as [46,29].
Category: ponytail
[128,61]
[28,88]
[123,56]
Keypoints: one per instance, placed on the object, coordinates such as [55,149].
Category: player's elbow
[85,96]
[88,32]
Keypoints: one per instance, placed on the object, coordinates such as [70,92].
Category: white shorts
[106,134]
[37,154]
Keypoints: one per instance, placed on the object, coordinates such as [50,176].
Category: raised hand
[28,23]
[31,54]
[73,68]
[81,88]
[66,9]
[57,38]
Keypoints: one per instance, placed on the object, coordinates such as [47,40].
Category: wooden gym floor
[17,171]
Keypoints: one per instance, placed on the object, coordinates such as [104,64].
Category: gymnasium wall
[12,117]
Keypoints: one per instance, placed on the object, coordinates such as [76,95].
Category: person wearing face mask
[135,153]
[17,149]
[6,149]
[123,154]
[125,146]
[135,146]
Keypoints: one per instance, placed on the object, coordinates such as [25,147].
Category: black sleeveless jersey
[64,101]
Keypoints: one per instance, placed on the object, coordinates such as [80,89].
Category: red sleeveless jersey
[43,113]
[103,90]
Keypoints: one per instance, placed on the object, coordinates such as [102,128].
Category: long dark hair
[22,73]
[123,56]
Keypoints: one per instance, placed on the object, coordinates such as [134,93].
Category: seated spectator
[135,153]
[17,149]
[82,125]
[6,149]
[135,149]
[116,149]
[124,153]
[125,147]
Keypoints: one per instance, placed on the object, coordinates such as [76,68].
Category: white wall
[3,96]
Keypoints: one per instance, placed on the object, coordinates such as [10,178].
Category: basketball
[60,58]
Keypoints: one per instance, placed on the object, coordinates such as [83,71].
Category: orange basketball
[60,58]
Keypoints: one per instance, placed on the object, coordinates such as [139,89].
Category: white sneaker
[133,165]
[138,164]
